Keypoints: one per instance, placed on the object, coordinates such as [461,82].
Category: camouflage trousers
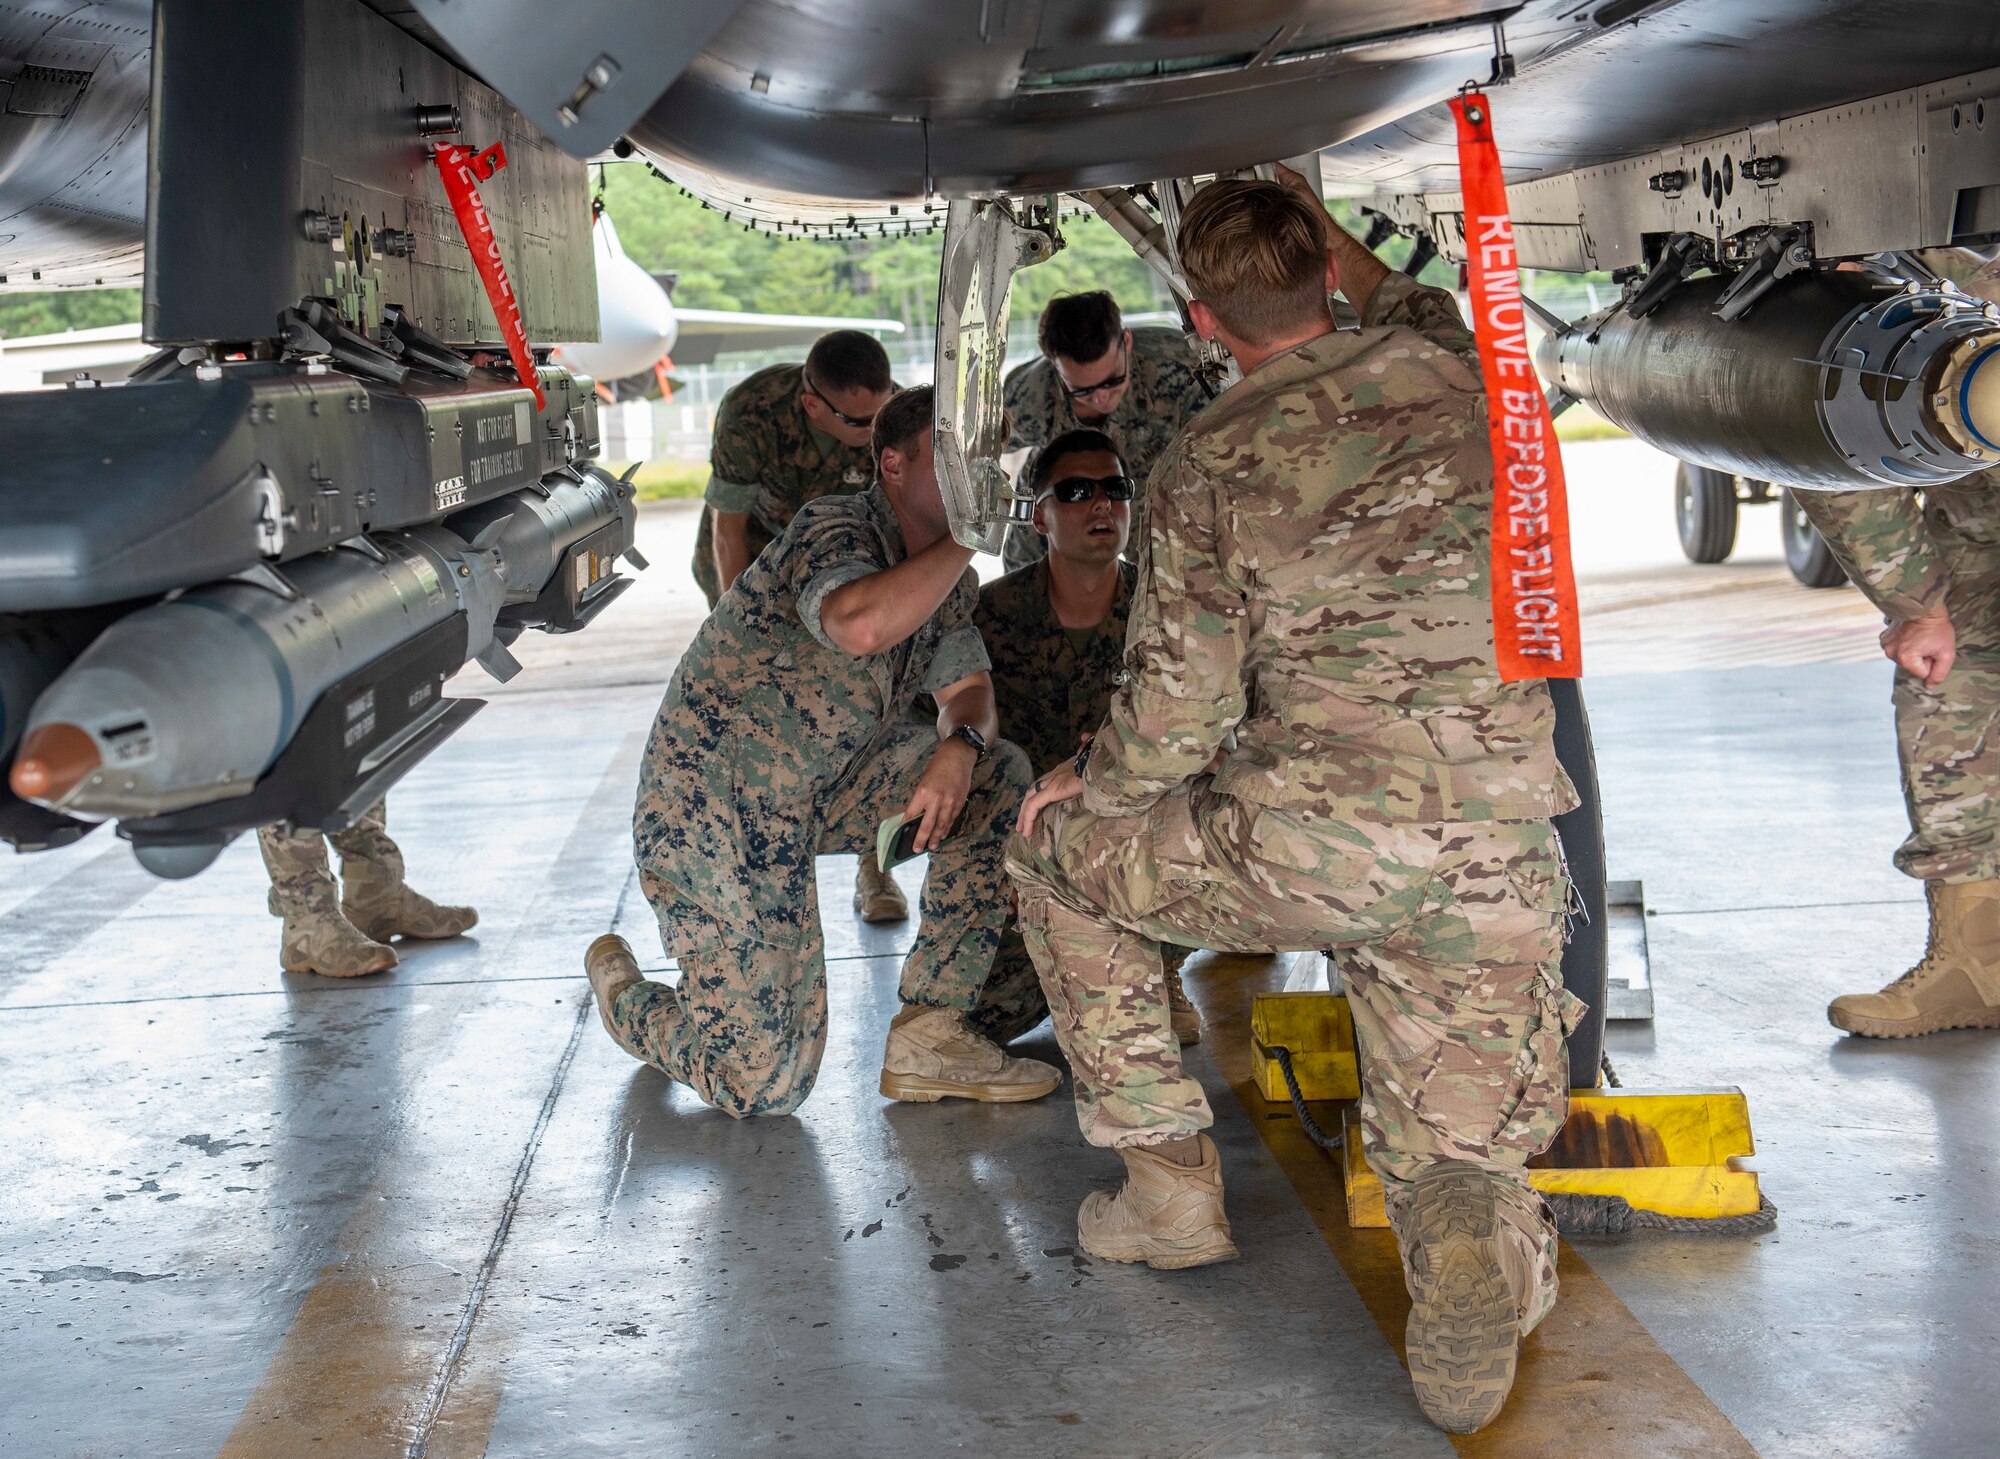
[1447,937]
[752,1022]
[1948,738]
[301,878]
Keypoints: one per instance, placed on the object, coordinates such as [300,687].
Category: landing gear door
[983,249]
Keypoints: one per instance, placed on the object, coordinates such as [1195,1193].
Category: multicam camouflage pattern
[1908,555]
[1316,577]
[768,460]
[1164,393]
[771,746]
[1050,695]
[301,880]
[374,898]
[1447,936]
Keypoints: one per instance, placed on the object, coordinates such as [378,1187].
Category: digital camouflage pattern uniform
[1908,554]
[773,745]
[1050,695]
[1316,578]
[769,460]
[1162,395]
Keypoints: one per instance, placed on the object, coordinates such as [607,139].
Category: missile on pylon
[301,695]
[1833,381]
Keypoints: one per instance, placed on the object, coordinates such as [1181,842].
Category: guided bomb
[1835,381]
[192,702]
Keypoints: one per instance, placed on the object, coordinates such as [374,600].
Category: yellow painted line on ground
[1592,1379]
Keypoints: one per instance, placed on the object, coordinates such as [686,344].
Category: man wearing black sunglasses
[1055,631]
[787,435]
[1137,386]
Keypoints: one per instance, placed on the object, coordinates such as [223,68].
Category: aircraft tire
[1586,959]
[1705,512]
[1812,562]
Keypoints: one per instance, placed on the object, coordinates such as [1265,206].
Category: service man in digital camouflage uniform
[1055,631]
[788,435]
[1316,580]
[786,732]
[1138,386]
[1932,565]
[344,931]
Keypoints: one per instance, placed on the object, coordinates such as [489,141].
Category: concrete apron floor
[437,1212]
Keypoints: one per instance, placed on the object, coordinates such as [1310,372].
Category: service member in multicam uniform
[1316,580]
[788,435]
[1932,565]
[1055,631]
[1138,386]
[786,732]
[347,935]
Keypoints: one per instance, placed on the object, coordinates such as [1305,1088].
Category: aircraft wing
[706,333]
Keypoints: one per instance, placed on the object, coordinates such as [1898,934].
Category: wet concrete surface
[437,1212]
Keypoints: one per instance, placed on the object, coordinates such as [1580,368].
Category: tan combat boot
[612,969]
[1166,1214]
[876,896]
[376,899]
[933,1055]
[1956,985]
[1184,1016]
[1464,1334]
[318,939]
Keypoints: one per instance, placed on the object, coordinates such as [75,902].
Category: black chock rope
[1307,1123]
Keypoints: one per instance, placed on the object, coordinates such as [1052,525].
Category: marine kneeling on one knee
[1384,793]
[786,734]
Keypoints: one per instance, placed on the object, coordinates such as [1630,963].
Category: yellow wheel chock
[1678,1152]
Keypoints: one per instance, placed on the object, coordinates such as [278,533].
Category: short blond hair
[1255,253]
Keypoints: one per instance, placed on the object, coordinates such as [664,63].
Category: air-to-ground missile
[34,650]
[1834,380]
[296,694]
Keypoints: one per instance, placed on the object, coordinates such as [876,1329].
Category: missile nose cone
[53,761]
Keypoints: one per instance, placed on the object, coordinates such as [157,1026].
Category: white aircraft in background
[641,333]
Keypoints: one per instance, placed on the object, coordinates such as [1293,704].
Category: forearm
[972,705]
[877,612]
[732,545]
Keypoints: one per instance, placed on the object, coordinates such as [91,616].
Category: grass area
[1581,423]
[662,481]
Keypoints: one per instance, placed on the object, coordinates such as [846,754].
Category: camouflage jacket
[1900,548]
[1317,578]
[1163,396]
[1049,695]
[765,718]
[768,460]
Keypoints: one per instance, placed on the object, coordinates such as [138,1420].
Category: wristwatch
[973,738]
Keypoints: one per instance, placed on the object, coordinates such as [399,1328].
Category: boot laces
[1926,965]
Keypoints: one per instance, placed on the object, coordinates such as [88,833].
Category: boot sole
[915,1089]
[1188,1040]
[1882,1028]
[1206,1250]
[1463,1338]
[322,973]
[879,916]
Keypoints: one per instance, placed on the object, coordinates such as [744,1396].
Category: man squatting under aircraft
[1316,580]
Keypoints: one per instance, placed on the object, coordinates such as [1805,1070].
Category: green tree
[22,315]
